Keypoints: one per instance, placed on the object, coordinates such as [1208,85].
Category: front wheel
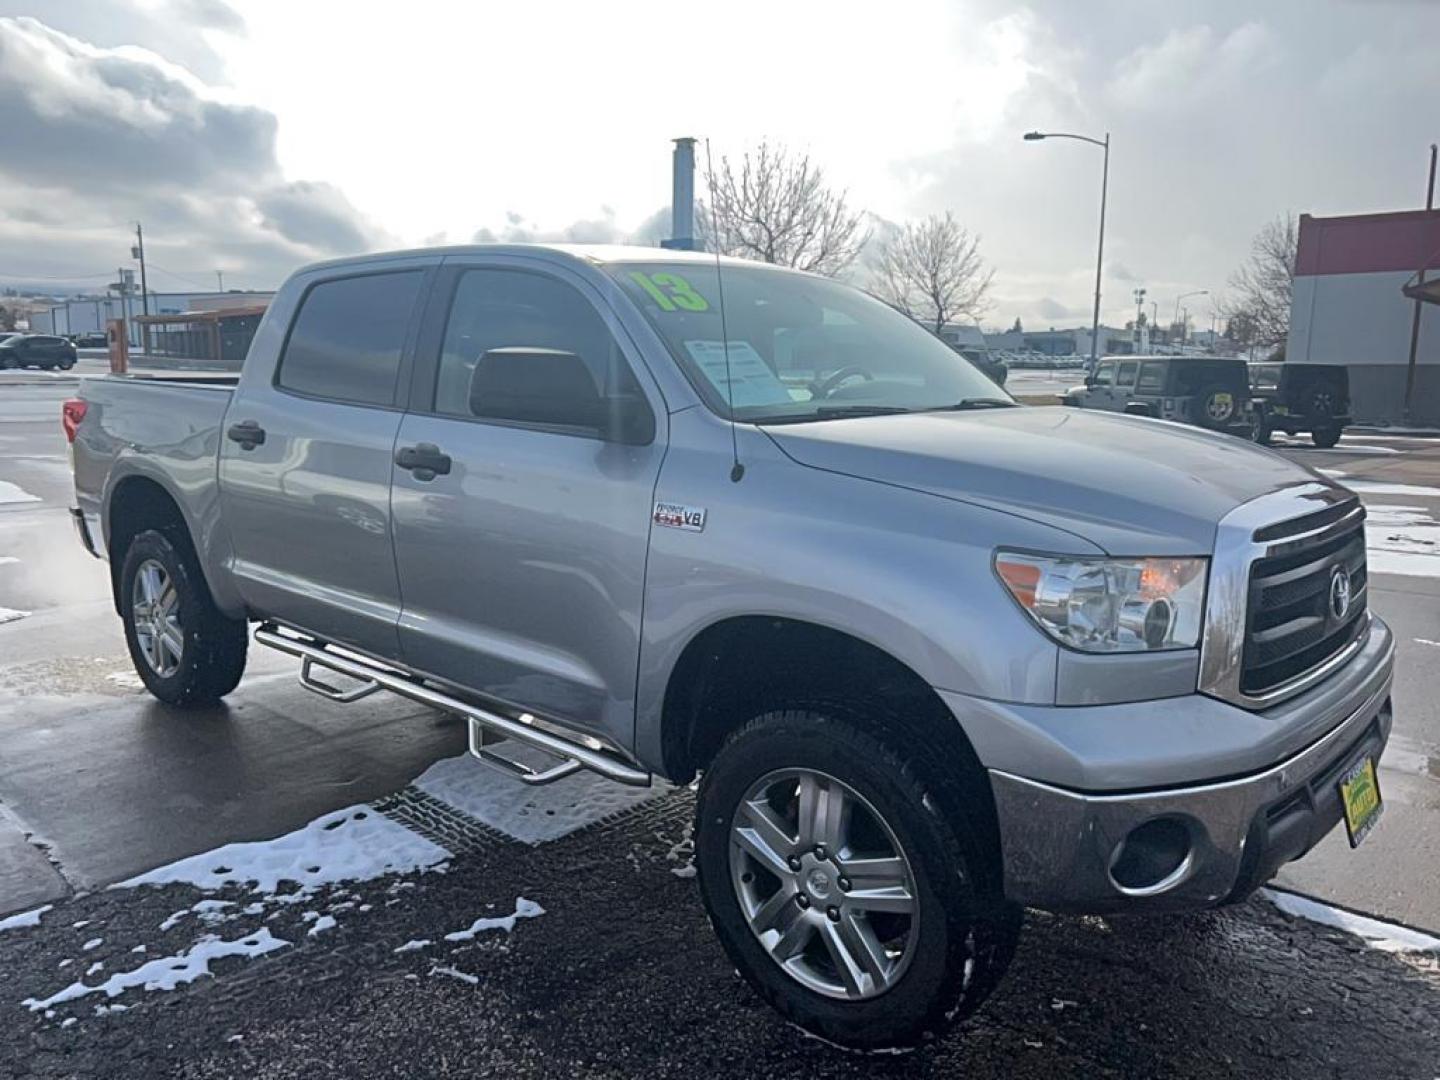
[185,650]
[840,890]
[1325,437]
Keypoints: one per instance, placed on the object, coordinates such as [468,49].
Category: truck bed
[164,426]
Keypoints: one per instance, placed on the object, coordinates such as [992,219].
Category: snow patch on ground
[524,909]
[25,918]
[1378,487]
[1388,937]
[6,560]
[532,815]
[455,973]
[14,493]
[1402,540]
[354,844]
[10,614]
[413,945]
[128,679]
[167,972]
[323,923]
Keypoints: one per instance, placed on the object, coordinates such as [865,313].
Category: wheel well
[138,504]
[744,666]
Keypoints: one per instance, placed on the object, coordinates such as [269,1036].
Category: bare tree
[932,271]
[1265,285]
[776,207]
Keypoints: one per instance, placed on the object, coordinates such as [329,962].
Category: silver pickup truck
[935,656]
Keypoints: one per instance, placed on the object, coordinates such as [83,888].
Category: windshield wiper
[967,404]
[832,412]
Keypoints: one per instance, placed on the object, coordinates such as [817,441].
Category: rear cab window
[1151,379]
[1125,374]
[348,337]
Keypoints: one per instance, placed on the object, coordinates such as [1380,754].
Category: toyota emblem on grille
[1340,593]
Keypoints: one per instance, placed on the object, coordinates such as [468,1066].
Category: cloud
[107,136]
[601,229]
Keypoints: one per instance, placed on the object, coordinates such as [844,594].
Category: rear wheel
[839,889]
[184,649]
[1215,406]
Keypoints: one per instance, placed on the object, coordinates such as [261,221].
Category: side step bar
[486,727]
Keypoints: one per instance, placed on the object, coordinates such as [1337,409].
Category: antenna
[736,469]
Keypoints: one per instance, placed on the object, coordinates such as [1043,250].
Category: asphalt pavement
[620,974]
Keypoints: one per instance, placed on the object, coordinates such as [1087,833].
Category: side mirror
[536,385]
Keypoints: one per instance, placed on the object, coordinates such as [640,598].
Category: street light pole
[1035,136]
[1176,319]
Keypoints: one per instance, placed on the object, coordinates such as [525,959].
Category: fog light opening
[1153,857]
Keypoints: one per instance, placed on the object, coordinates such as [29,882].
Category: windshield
[800,347]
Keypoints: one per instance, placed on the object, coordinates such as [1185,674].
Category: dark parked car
[37,350]
[92,339]
[1208,391]
[1296,398]
[994,370]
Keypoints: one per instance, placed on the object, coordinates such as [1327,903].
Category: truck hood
[1130,485]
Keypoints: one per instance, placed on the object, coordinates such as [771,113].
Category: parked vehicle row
[1222,394]
[934,656]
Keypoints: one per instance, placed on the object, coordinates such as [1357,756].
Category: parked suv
[936,657]
[1208,391]
[37,350]
[1296,398]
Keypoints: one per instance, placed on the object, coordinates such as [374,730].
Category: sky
[254,136]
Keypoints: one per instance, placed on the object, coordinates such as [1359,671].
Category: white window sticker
[751,380]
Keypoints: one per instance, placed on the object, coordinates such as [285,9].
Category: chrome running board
[486,728]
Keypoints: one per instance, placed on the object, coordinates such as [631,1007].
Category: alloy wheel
[155,615]
[824,884]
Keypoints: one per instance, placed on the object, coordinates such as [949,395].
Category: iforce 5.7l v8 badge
[676,516]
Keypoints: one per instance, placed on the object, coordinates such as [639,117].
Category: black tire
[1208,410]
[962,920]
[1325,437]
[66,365]
[213,656]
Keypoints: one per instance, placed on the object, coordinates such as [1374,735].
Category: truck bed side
[156,439]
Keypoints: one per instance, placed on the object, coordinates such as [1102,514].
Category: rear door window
[1151,379]
[345,344]
[1125,375]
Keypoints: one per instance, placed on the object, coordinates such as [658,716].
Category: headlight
[1109,605]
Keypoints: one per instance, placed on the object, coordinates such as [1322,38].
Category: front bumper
[1061,847]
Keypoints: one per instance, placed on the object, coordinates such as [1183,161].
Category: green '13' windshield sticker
[671,291]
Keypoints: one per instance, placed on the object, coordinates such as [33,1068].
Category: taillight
[71,413]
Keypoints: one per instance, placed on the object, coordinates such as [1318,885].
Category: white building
[91,313]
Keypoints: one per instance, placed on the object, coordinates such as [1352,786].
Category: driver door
[522,564]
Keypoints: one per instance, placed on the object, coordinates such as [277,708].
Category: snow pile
[532,815]
[167,972]
[1388,937]
[354,844]
[524,909]
[10,614]
[25,918]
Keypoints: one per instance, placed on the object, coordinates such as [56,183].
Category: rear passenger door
[305,459]
[522,567]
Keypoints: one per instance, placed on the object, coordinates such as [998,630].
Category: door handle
[247,433]
[423,460]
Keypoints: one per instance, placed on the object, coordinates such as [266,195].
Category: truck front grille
[1291,625]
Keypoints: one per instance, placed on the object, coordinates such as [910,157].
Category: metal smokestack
[682,198]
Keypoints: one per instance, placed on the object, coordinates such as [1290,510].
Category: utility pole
[138,252]
[220,280]
[1420,278]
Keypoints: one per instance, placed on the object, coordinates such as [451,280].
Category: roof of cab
[596,254]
